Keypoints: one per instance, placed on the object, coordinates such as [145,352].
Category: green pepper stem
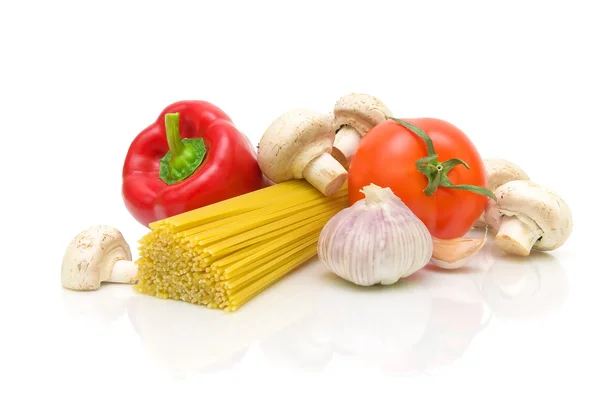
[173,136]
[184,155]
[436,171]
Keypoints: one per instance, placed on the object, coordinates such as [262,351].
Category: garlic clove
[455,253]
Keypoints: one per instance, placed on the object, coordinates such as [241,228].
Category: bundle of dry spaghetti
[224,254]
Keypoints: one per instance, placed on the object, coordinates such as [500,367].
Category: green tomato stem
[436,171]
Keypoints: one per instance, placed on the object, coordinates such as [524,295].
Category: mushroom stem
[515,236]
[124,271]
[325,173]
[345,144]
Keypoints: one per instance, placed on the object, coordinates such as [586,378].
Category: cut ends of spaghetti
[223,255]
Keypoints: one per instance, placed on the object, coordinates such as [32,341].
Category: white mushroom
[298,145]
[98,254]
[499,171]
[355,114]
[529,216]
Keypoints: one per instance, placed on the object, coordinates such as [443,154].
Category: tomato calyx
[436,171]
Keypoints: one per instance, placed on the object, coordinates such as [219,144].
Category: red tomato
[387,157]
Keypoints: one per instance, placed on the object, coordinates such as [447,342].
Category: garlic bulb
[376,240]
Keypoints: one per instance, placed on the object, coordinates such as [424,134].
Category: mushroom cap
[534,204]
[361,111]
[292,141]
[91,255]
[499,171]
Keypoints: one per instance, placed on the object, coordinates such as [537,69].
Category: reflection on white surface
[517,287]
[190,338]
[369,321]
[311,317]
[104,305]
[422,323]
[418,324]
[183,337]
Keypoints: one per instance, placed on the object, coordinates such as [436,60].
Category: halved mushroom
[355,114]
[298,145]
[529,216]
[499,171]
[98,254]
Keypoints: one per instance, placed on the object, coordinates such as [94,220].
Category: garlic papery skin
[377,240]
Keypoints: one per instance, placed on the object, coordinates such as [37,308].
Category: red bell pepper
[190,157]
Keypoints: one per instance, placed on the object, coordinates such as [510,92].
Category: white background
[78,81]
